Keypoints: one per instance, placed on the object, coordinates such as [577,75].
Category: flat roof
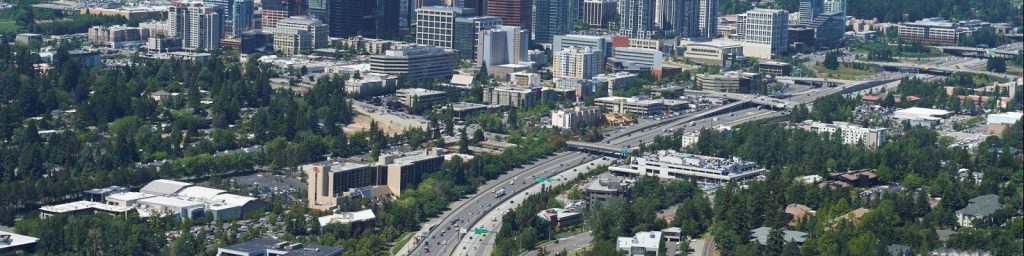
[164,187]
[916,111]
[83,205]
[347,217]
[170,201]
[263,245]
[232,199]
[761,235]
[128,196]
[199,192]
[9,240]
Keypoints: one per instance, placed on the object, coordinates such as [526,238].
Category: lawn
[8,26]
[843,72]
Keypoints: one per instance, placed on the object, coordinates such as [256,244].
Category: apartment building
[670,164]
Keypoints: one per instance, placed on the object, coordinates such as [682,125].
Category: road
[443,236]
[567,244]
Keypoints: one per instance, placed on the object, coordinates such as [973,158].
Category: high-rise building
[372,18]
[299,35]
[836,6]
[636,18]
[598,12]
[708,18]
[435,25]
[512,12]
[503,45]
[467,31]
[319,9]
[275,10]
[766,29]
[198,27]
[679,17]
[240,17]
[553,17]
[810,9]
[576,63]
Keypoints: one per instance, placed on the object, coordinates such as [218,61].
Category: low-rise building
[774,68]
[797,212]
[267,247]
[716,53]
[370,83]
[415,62]
[419,96]
[921,116]
[328,181]
[634,59]
[28,38]
[15,244]
[728,82]
[939,30]
[997,123]
[513,96]
[118,36]
[525,79]
[641,244]
[559,217]
[851,133]
[617,80]
[760,235]
[604,187]
[82,208]
[362,218]
[689,138]
[574,118]
[670,164]
[980,208]
[623,105]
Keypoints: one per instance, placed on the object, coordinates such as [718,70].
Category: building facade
[598,13]
[503,45]
[327,181]
[576,63]
[708,18]
[371,18]
[669,164]
[512,12]
[420,96]
[939,30]
[680,17]
[435,25]
[467,34]
[851,134]
[299,35]
[415,62]
[198,27]
[765,32]
[636,18]
[512,96]
[575,118]
[553,17]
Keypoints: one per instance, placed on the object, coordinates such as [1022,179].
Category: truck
[500,193]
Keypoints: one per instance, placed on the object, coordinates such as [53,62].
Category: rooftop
[83,205]
[347,217]
[163,187]
[981,206]
[171,201]
[761,235]
[921,112]
[9,240]
[650,239]
[262,246]
[128,196]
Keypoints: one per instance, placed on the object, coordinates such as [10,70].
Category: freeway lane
[446,228]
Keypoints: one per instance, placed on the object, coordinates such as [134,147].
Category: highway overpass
[978,52]
[917,68]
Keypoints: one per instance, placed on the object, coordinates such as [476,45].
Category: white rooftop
[347,217]
[649,240]
[83,205]
[202,193]
[164,187]
[921,112]
[8,239]
[128,196]
[171,202]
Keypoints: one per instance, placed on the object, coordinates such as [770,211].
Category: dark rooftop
[282,248]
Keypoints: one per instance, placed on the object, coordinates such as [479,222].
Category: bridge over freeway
[979,52]
[917,68]
[766,101]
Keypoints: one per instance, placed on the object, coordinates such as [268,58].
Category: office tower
[708,20]
[241,17]
[275,10]
[198,27]
[602,44]
[598,12]
[679,17]
[767,27]
[299,35]
[512,12]
[503,45]
[810,9]
[553,17]
[373,18]
[467,31]
[636,18]
[435,25]
[320,9]
[576,63]
[836,6]
[479,6]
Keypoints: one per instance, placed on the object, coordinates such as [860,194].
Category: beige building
[727,82]
[574,118]
[623,105]
[576,63]
[413,96]
[512,96]
[718,53]
[327,181]
[299,35]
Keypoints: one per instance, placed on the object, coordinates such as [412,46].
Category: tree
[997,65]
[478,136]
[832,60]
[776,242]
[463,141]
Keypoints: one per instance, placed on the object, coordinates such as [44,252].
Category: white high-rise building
[836,6]
[636,18]
[198,27]
[575,117]
[850,133]
[503,45]
[576,63]
[765,32]
[708,18]
[810,9]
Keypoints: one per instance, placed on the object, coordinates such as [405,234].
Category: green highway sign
[479,231]
[542,180]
